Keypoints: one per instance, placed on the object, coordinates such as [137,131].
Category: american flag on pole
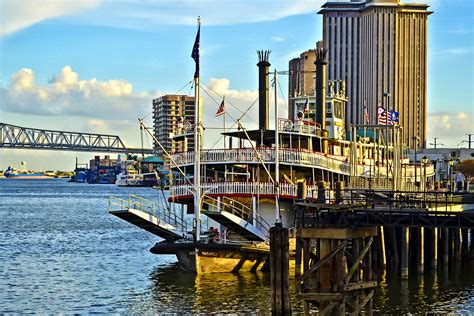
[221,109]
[306,106]
[366,115]
[381,116]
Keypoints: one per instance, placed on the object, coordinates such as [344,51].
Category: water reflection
[178,291]
[435,291]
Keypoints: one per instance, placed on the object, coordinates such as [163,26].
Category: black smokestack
[263,89]
[321,80]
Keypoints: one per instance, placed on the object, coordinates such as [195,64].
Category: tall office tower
[301,78]
[172,114]
[380,48]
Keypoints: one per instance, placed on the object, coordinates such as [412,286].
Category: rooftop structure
[379,47]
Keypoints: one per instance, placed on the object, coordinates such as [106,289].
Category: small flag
[392,117]
[195,53]
[366,115]
[381,116]
[306,106]
[221,109]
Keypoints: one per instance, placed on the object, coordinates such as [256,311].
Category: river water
[61,252]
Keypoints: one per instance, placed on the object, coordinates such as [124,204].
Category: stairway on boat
[237,218]
[150,216]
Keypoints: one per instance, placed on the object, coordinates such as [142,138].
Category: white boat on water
[129,179]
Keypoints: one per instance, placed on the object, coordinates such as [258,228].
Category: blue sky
[94,65]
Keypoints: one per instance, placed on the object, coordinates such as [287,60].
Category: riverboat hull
[216,258]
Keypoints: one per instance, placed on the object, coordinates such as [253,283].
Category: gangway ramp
[149,216]
[238,219]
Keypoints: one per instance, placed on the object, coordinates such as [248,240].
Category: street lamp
[424,162]
[451,164]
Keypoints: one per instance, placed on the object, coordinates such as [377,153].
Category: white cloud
[112,107]
[149,14]
[19,14]
[278,39]
[238,104]
[461,29]
[455,51]
[449,127]
[66,94]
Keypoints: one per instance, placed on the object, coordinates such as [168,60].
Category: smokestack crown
[263,56]
[321,53]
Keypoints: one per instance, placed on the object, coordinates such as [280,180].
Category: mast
[197,139]
[277,155]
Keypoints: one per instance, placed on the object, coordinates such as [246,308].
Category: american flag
[306,106]
[381,116]
[221,109]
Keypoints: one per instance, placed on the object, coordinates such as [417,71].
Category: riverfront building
[172,114]
[379,47]
[301,79]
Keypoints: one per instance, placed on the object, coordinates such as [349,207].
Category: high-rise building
[172,114]
[379,47]
[301,79]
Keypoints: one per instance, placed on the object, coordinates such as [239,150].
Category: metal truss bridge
[12,136]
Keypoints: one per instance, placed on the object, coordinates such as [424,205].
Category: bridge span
[17,137]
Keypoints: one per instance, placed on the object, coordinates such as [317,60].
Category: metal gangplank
[149,216]
[238,218]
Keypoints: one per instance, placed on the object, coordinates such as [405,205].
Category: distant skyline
[95,66]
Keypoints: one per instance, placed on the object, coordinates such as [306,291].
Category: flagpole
[224,123]
[277,154]
[197,139]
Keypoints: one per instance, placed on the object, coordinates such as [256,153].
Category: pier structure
[345,237]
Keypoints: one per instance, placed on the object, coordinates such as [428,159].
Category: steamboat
[247,188]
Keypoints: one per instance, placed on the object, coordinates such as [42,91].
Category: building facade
[172,114]
[301,79]
[379,47]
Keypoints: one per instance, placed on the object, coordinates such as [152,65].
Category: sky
[96,65]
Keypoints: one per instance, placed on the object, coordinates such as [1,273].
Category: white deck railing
[250,188]
[267,155]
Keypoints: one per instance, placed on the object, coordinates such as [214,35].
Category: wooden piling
[405,250]
[471,243]
[421,250]
[382,247]
[445,242]
[301,197]
[394,250]
[464,244]
[279,268]
[368,276]
[434,248]
[457,244]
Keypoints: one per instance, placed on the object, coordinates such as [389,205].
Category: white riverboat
[248,188]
